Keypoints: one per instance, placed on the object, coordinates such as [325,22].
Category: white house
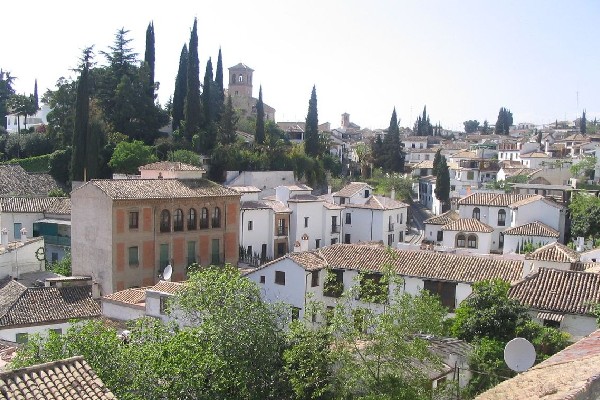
[433,226]
[468,234]
[378,219]
[13,121]
[537,233]
[20,257]
[534,159]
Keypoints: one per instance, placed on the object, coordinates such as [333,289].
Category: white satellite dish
[166,275]
[519,354]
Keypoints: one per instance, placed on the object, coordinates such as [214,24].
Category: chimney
[95,290]
[546,146]
[328,189]
[23,235]
[4,239]
[393,194]
[304,243]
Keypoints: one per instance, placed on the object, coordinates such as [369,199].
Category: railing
[57,240]
[254,260]
[391,227]
[335,229]
[282,231]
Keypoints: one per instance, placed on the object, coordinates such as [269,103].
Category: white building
[13,121]
[378,219]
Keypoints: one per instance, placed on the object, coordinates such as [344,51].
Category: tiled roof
[443,219]
[170,166]
[245,189]
[534,154]
[134,296]
[9,291]
[379,203]
[588,346]
[241,66]
[494,199]
[15,181]
[560,291]
[351,189]
[468,225]
[254,205]
[167,287]
[68,379]
[425,164]
[464,154]
[297,187]
[425,264]
[554,252]
[533,229]
[47,304]
[125,189]
[54,205]
[300,198]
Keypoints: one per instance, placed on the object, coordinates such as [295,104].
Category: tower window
[240,79]
[233,78]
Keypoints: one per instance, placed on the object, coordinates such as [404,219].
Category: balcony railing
[335,229]
[282,231]
[391,227]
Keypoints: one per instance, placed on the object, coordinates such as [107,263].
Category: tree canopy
[311,130]
[471,126]
[504,122]
[129,156]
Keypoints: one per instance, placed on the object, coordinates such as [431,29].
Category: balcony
[335,228]
[391,227]
[282,231]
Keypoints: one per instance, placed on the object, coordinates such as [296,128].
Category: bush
[60,165]
[34,164]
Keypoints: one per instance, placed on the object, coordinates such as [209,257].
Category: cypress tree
[209,123]
[436,161]
[149,57]
[193,110]
[36,100]
[82,115]
[393,160]
[228,125]
[583,124]
[219,92]
[311,130]
[442,183]
[259,135]
[504,121]
[180,89]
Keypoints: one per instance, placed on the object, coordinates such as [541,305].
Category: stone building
[240,89]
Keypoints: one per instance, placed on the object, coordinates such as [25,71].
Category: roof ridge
[36,367]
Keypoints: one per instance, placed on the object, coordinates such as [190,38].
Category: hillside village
[120,248]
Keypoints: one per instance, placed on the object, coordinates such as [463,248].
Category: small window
[391,239]
[250,225]
[367,193]
[314,279]
[216,218]
[249,251]
[501,218]
[280,249]
[22,338]
[342,200]
[178,220]
[440,236]
[317,243]
[262,279]
[204,218]
[334,241]
[460,240]
[295,313]
[347,238]
[165,221]
[134,259]
[476,213]
[192,222]
[164,305]
[472,242]
[306,222]
[240,78]
[348,218]
[280,277]
[133,220]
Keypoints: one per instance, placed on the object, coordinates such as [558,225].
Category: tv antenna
[519,354]
[166,275]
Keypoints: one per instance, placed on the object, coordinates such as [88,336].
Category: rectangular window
[191,252]
[249,225]
[347,238]
[445,290]
[280,277]
[306,222]
[314,278]
[391,240]
[22,338]
[17,230]
[334,283]
[334,241]
[215,252]
[249,251]
[440,236]
[164,256]
[348,218]
[280,249]
[295,313]
[134,259]
[133,219]
[281,230]
[262,279]
[164,300]
[342,200]
[470,175]
[317,243]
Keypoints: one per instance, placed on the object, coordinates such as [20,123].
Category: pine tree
[193,111]
[82,115]
[583,124]
[504,122]
[486,128]
[311,130]
[150,58]
[393,159]
[442,183]
[36,99]
[228,125]
[6,91]
[218,93]
[259,135]
[180,90]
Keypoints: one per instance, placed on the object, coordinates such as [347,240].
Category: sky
[463,59]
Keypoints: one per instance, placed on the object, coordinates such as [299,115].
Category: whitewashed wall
[511,242]
[10,334]
[121,311]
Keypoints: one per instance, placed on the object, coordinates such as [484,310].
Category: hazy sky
[464,59]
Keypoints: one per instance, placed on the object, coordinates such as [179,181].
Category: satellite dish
[166,275]
[519,354]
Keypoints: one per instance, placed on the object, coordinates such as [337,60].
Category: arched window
[240,78]
[460,240]
[216,218]
[178,220]
[191,221]
[165,221]
[204,218]
[233,78]
[476,213]
[501,218]
[472,242]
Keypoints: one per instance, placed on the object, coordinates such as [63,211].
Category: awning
[550,316]
[53,221]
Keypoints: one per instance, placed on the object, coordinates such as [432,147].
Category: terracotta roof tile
[494,199]
[535,228]
[167,287]
[468,225]
[351,189]
[135,296]
[443,219]
[379,203]
[17,204]
[170,166]
[71,379]
[125,189]
[15,181]
[554,252]
[560,291]
[426,264]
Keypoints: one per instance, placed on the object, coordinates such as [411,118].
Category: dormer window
[366,193]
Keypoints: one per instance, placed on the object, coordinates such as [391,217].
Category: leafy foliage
[585,215]
[129,156]
[471,126]
[62,267]
[391,158]
[311,131]
[504,121]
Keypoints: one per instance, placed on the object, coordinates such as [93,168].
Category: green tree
[180,90]
[471,126]
[584,168]
[504,122]
[219,91]
[259,134]
[193,109]
[185,156]
[81,134]
[228,125]
[6,90]
[62,116]
[437,159]
[209,132]
[311,130]
[423,125]
[129,156]
[62,267]
[583,124]
[485,129]
[585,215]
[442,184]
[393,156]
[150,59]
[36,99]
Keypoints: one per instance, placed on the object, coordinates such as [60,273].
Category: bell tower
[240,81]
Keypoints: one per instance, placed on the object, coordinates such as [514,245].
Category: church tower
[240,81]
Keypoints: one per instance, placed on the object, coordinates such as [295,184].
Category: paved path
[418,214]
